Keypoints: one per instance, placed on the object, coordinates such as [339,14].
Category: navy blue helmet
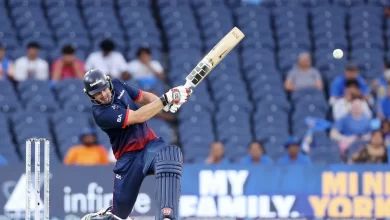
[95,81]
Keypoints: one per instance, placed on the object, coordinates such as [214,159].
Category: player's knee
[169,160]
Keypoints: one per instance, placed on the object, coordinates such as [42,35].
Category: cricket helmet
[95,81]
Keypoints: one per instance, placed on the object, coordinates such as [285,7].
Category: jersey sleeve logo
[119,119]
[121,94]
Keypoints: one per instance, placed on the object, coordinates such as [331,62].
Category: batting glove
[172,108]
[180,95]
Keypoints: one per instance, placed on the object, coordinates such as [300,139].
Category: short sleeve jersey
[111,118]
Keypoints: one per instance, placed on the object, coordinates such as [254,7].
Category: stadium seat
[382,3]
[60,3]
[133,3]
[349,3]
[24,3]
[10,153]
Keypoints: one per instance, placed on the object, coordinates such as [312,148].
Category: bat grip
[187,85]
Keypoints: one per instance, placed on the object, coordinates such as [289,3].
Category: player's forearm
[148,97]
[145,112]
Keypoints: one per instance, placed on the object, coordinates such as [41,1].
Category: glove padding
[180,95]
[172,108]
[177,95]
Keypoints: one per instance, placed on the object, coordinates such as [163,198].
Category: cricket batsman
[139,152]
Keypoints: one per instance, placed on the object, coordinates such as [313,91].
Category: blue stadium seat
[261,92]
[309,94]
[321,21]
[28,117]
[77,96]
[42,103]
[70,118]
[260,78]
[77,104]
[6,87]
[294,44]
[24,3]
[92,13]
[311,105]
[325,157]
[97,32]
[73,30]
[64,13]
[46,43]
[172,3]
[206,3]
[69,135]
[29,11]
[331,43]
[270,100]
[251,12]
[34,14]
[30,87]
[349,3]
[185,43]
[6,30]
[195,108]
[10,154]
[305,111]
[328,11]
[289,12]
[70,85]
[29,34]
[367,54]
[366,12]
[371,41]
[152,42]
[276,3]
[10,44]
[60,3]
[137,13]
[133,3]
[9,103]
[97,3]
[382,3]
[367,30]
[314,3]
[255,27]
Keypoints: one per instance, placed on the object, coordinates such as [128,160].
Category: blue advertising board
[228,192]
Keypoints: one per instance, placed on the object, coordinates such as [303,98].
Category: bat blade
[214,57]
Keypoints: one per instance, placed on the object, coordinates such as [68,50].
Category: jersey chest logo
[115,107]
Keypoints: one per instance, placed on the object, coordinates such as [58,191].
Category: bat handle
[188,84]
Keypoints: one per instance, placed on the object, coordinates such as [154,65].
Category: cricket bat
[214,57]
